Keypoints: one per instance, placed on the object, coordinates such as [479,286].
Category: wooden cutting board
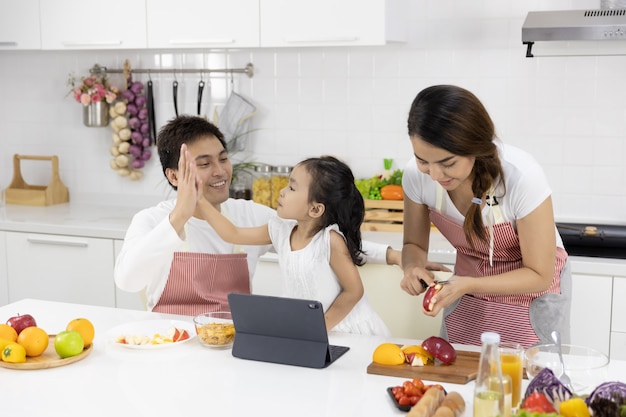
[463,370]
[48,359]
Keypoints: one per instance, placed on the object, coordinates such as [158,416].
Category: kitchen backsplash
[569,112]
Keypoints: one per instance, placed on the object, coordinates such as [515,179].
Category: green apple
[68,343]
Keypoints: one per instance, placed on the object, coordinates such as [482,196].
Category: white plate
[149,328]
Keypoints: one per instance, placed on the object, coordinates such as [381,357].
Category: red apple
[20,322]
[428,297]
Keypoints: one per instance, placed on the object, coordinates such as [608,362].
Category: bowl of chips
[215,329]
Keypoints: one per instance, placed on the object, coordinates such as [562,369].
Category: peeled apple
[427,303]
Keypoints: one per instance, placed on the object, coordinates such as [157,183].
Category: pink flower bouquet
[93,89]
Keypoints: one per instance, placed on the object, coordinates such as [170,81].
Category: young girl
[318,240]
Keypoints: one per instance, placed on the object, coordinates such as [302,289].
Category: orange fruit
[7,332]
[14,353]
[388,354]
[34,340]
[84,327]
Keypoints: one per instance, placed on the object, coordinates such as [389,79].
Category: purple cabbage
[546,383]
[609,391]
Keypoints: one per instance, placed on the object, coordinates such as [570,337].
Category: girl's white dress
[306,274]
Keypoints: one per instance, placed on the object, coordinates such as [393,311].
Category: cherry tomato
[396,389]
[418,383]
[404,400]
[537,402]
[412,391]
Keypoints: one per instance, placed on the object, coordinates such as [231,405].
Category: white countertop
[109,218]
[190,380]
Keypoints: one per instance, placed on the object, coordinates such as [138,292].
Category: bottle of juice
[489,399]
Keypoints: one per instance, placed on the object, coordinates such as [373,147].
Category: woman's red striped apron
[476,313]
[200,282]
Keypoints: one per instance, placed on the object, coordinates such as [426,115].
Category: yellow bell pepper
[574,407]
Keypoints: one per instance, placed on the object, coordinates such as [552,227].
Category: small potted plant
[95,94]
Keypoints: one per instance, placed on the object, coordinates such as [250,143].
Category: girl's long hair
[452,118]
[332,184]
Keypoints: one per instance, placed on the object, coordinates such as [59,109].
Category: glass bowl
[215,330]
[586,367]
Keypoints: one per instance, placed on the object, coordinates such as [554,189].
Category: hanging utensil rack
[248,70]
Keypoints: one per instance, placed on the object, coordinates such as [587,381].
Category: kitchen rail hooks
[248,70]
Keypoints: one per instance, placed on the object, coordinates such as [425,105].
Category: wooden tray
[462,371]
[383,215]
[20,192]
[48,359]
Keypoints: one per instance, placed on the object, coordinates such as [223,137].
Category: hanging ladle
[564,378]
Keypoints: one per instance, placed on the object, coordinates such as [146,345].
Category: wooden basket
[19,192]
[383,216]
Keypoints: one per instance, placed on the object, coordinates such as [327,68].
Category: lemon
[14,353]
[388,354]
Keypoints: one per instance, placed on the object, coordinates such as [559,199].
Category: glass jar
[261,187]
[280,179]
[241,187]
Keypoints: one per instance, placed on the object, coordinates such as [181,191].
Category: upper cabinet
[89,24]
[200,24]
[203,24]
[19,24]
[288,23]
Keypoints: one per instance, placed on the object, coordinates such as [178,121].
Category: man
[172,253]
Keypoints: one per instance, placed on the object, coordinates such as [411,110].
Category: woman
[492,202]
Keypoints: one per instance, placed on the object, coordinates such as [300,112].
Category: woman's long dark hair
[332,184]
[452,118]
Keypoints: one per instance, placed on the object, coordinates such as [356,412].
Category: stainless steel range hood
[573,25]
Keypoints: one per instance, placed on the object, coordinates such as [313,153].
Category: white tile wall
[569,112]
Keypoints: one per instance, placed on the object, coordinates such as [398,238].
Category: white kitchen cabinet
[89,24]
[125,299]
[202,23]
[4,282]
[591,311]
[60,268]
[288,23]
[19,24]
[618,322]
